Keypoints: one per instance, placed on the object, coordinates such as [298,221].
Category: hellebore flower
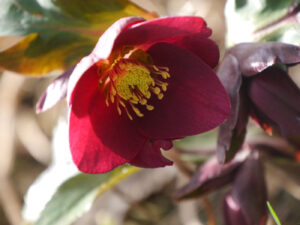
[145,84]
[258,85]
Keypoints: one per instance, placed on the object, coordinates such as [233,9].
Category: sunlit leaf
[76,195]
[56,33]
[263,20]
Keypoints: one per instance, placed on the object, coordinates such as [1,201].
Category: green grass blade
[275,217]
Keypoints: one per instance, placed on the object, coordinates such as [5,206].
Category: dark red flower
[245,203]
[259,85]
[145,84]
[282,111]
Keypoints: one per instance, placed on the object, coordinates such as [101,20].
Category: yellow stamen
[155,68]
[119,110]
[143,101]
[112,99]
[160,96]
[164,86]
[122,103]
[148,94]
[137,111]
[128,114]
[165,75]
[149,107]
[133,76]
[131,79]
[155,90]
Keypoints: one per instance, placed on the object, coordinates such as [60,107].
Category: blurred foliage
[158,209]
[57,34]
[205,141]
[263,20]
[77,194]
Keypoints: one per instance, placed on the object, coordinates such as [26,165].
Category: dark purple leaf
[276,100]
[255,57]
[273,147]
[211,176]
[232,132]
[232,212]
[249,191]
[245,60]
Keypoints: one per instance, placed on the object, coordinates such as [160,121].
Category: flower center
[130,82]
[133,77]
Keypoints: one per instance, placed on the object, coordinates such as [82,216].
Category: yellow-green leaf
[57,34]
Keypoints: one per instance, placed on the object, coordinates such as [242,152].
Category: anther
[160,96]
[164,86]
[149,107]
[113,90]
[148,94]
[155,90]
[155,68]
[137,111]
[165,75]
[134,101]
[128,114]
[125,108]
[143,101]
[165,68]
[119,110]
[112,99]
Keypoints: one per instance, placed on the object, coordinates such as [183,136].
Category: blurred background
[28,149]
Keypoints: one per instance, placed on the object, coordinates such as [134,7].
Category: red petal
[102,49]
[162,29]
[195,101]
[203,47]
[87,149]
[150,156]
[106,41]
[100,139]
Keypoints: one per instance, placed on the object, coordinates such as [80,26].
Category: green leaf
[262,20]
[275,217]
[57,33]
[76,195]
